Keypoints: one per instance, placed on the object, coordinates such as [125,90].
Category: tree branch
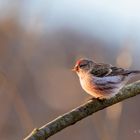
[81,112]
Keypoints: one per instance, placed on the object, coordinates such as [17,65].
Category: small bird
[101,80]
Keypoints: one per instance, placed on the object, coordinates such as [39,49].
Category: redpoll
[102,80]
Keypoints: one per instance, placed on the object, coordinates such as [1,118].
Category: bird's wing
[124,72]
[102,70]
[118,71]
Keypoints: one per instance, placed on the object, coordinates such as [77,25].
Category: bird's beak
[75,69]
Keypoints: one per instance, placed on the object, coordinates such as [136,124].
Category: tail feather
[127,72]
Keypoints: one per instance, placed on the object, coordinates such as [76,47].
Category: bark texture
[81,112]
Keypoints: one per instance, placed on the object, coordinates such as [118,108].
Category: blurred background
[40,40]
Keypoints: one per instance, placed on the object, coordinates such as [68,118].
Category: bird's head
[83,65]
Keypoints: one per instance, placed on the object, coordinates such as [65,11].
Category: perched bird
[101,80]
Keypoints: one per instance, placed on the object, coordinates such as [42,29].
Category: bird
[100,80]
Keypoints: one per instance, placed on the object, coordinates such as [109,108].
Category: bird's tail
[132,72]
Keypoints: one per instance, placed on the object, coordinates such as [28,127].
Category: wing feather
[101,70]
[104,70]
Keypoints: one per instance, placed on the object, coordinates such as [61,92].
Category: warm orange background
[39,44]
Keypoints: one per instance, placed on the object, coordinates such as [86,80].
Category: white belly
[88,84]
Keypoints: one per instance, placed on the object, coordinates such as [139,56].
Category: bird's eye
[82,65]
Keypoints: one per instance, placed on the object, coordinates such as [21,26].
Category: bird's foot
[101,99]
[98,99]
[92,99]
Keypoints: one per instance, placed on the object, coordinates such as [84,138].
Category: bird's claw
[98,99]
